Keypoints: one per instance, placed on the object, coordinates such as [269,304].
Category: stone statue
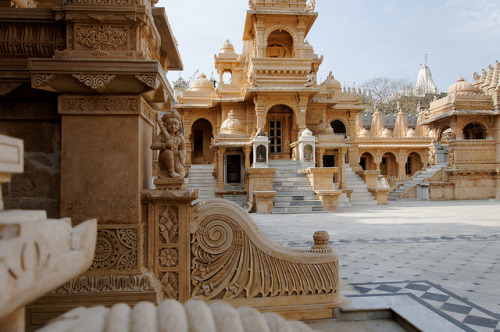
[311,79]
[172,146]
[310,7]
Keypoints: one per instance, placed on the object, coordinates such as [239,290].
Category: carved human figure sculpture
[172,146]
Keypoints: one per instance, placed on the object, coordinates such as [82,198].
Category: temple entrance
[413,164]
[201,137]
[233,170]
[389,166]
[366,162]
[280,125]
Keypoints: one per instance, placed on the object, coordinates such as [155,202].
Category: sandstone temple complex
[171,173]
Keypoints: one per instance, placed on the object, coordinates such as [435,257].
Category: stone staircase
[201,177]
[294,193]
[416,179]
[360,195]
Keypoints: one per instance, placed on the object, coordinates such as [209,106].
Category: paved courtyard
[446,255]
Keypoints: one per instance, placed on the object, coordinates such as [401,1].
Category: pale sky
[359,39]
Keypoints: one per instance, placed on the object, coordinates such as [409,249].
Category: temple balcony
[283,71]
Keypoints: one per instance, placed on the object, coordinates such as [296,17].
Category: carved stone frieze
[29,38]
[99,104]
[28,111]
[98,82]
[116,249]
[106,2]
[107,283]
[8,87]
[168,225]
[99,17]
[102,37]
[151,81]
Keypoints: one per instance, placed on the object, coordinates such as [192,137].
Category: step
[301,209]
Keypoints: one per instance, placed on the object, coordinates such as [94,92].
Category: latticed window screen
[275,136]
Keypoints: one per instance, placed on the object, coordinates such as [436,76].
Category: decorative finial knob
[321,240]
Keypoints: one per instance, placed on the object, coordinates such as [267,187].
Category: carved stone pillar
[401,160]
[301,120]
[261,47]
[378,160]
[220,168]
[319,157]
[248,162]
[342,174]
[260,110]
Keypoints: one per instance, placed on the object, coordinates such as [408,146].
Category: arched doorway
[367,162]
[201,138]
[475,130]
[389,166]
[280,130]
[338,127]
[413,164]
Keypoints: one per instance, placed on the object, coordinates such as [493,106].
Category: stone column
[248,162]
[220,168]
[401,160]
[261,47]
[319,157]
[377,159]
[342,173]
[11,161]
[260,110]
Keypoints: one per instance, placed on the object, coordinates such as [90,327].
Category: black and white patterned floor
[457,310]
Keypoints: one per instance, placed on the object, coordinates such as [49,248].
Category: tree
[388,95]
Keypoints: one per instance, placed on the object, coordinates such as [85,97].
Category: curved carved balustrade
[231,259]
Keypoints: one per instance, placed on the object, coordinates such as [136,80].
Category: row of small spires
[488,79]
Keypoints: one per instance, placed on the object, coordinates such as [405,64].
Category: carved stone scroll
[116,249]
[103,37]
[8,87]
[231,259]
[150,80]
[98,82]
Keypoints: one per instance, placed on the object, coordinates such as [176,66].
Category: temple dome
[386,132]
[306,133]
[411,133]
[332,83]
[425,84]
[364,133]
[231,125]
[202,83]
[461,86]
[227,50]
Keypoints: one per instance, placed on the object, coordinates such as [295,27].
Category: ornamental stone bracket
[97,82]
[8,87]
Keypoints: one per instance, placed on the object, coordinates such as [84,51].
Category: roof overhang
[168,42]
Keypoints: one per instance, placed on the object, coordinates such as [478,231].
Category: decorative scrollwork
[97,82]
[86,283]
[101,37]
[127,237]
[6,88]
[127,261]
[149,80]
[231,259]
[41,80]
[106,251]
[76,104]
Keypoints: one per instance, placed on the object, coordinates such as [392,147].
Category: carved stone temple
[83,85]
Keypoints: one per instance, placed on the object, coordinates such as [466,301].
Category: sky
[359,39]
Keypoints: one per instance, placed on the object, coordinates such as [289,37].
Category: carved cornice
[99,17]
[28,111]
[97,82]
[151,195]
[8,87]
[151,81]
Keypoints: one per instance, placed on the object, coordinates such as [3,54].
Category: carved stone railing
[214,251]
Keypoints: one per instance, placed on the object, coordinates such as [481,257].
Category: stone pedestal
[260,188]
[329,198]
[380,194]
[263,201]
[370,178]
[170,184]
[423,191]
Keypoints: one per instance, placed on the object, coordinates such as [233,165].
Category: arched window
[279,45]
[475,130]
[338,127]
[227,77]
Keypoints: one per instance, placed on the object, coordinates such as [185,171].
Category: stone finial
[321,241]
